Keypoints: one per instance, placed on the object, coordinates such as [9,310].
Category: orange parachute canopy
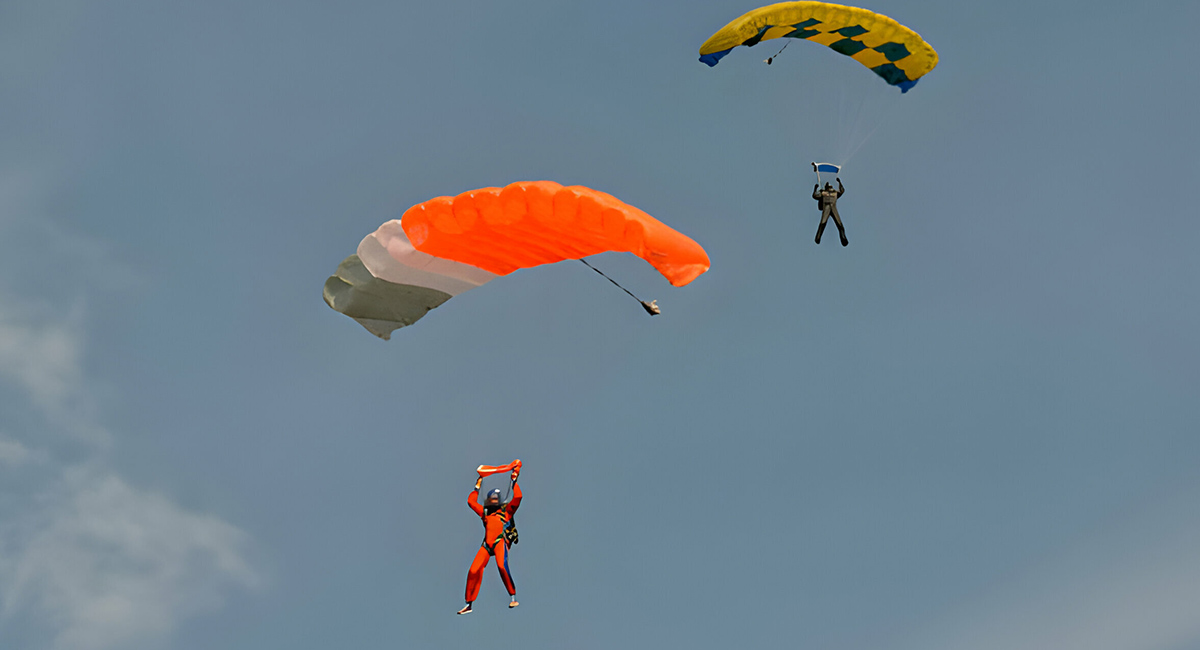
[540,222]
[488,470]
[447,245]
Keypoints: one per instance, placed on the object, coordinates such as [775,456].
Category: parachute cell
[447,245]
[894,52]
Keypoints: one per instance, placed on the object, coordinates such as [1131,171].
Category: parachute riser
[771,58]
[651,307]
[488,470]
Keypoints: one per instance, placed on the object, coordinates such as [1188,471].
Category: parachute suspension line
[864,140]
[845,132]
[511,483]
[881,108]
[771,58]
[650,307]
[852,104]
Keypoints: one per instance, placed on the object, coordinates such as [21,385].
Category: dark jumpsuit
[827,202]
[493,542]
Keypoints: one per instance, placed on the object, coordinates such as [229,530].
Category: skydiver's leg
[837,219]
[505,575]
[475,574]
[824,218]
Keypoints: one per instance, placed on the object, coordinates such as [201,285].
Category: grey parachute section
[378,305]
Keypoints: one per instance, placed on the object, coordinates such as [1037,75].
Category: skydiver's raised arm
[817,191]
[515,502]
[841,188]
[473,498]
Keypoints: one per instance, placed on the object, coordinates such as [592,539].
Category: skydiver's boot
[820,229]
[465,610]
[513,603]
[845,242]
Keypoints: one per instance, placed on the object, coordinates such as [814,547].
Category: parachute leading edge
[894,52]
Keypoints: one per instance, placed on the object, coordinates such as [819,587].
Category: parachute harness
[510,523]
[650,307]
[509,534]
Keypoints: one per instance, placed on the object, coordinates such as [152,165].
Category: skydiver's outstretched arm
[515,502]
[841,188]
[817,191]
[473,498]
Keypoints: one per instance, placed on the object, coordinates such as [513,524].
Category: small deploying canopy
[828,168]
[488,470]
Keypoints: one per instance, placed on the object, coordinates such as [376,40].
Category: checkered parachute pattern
[894,52]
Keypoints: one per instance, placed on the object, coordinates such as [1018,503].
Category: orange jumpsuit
[493,543]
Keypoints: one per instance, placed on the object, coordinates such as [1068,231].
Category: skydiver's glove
[478,483]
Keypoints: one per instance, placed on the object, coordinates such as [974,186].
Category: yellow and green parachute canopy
[889,49]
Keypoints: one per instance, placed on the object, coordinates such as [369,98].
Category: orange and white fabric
[448,245]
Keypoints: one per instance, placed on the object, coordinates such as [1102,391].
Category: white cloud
[41,354]
[43,357]
[107,565]
[87,561]
[45,274]
[13,453]
[1134,586]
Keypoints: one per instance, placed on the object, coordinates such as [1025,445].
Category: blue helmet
[493,498]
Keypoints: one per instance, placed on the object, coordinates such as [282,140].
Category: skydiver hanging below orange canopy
[499,534]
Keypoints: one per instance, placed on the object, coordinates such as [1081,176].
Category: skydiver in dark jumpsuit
[827,203]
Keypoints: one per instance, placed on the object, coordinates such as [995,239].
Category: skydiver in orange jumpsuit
[496,515]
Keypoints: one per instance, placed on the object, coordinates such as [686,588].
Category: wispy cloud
[47,273]
[40,353]
[13,453]
[43,357]
[109,564]
[87,560]
[1132,586]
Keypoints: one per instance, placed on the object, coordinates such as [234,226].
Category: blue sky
[976,426]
